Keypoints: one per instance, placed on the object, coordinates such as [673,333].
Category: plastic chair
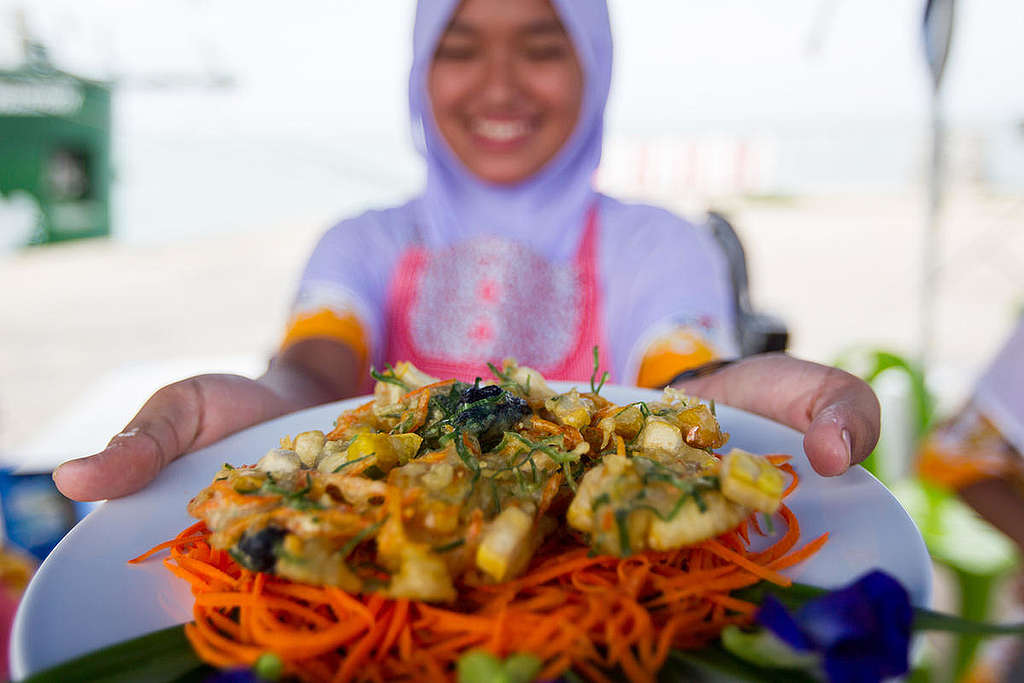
[977,554]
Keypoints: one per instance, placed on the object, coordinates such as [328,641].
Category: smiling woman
[509,251]
[505,87]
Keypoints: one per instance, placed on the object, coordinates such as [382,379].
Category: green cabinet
[55,153]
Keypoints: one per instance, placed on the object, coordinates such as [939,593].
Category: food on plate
[444,517]
[434,482]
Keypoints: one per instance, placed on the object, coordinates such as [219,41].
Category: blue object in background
[34,513]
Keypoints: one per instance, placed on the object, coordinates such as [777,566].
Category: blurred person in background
[508,251]
[977,452]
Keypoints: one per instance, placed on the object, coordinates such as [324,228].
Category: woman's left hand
[837,412]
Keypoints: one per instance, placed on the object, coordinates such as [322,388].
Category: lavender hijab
[546,210]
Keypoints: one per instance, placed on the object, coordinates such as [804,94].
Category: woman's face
[505,87]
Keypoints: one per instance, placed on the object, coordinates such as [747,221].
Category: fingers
[845,420]
[166,426]
[837,412]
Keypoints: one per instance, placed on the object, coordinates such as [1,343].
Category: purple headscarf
[546,210]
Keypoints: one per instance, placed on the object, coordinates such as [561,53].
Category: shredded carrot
[786,467]
[595,615]
[741,561]
[195,532]
[551,489]
[349,418]
[422,410]
[430,387]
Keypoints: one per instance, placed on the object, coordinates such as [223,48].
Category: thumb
[165,427]
[838,436]
[131,460]
[177,419]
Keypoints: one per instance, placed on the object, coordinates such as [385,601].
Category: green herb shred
[593,376]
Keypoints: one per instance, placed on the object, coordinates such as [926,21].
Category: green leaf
[928,620]
[343,465]
[363,534]
[448,547]
[159,657]
[793,597]
[593,376]
[269,666]
[389,378]
[479,666]
[763,648]
[522,668]
[714,663]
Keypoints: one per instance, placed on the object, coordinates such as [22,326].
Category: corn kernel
[752,481]
[506,544]
[247,484]
[363,445]
[292,545]
[405,446]
[389,449]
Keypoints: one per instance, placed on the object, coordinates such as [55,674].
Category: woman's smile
[502,133]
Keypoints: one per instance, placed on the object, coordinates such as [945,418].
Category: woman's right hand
[193,413]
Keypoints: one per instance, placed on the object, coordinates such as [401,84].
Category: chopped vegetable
[752,481]
[555,525]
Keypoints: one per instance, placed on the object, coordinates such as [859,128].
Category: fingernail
[849,446]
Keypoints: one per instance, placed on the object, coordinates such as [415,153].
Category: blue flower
[861,632]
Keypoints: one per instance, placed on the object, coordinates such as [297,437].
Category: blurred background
[237,134]
[206,144]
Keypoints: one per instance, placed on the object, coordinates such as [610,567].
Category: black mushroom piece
[256,550]
[488,412]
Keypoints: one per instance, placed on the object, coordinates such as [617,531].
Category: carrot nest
[591,614]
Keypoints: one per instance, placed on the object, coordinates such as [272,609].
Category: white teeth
[500,131]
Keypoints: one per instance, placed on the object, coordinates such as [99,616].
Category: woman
[509,251]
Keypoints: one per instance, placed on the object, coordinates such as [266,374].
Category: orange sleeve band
[680,350]
[326,324]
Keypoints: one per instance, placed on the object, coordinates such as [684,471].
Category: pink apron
[453,310]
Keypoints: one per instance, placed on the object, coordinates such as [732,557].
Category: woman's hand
[198,411]
[837,412]
[177,419]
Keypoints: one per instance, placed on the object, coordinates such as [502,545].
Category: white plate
[86,596]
